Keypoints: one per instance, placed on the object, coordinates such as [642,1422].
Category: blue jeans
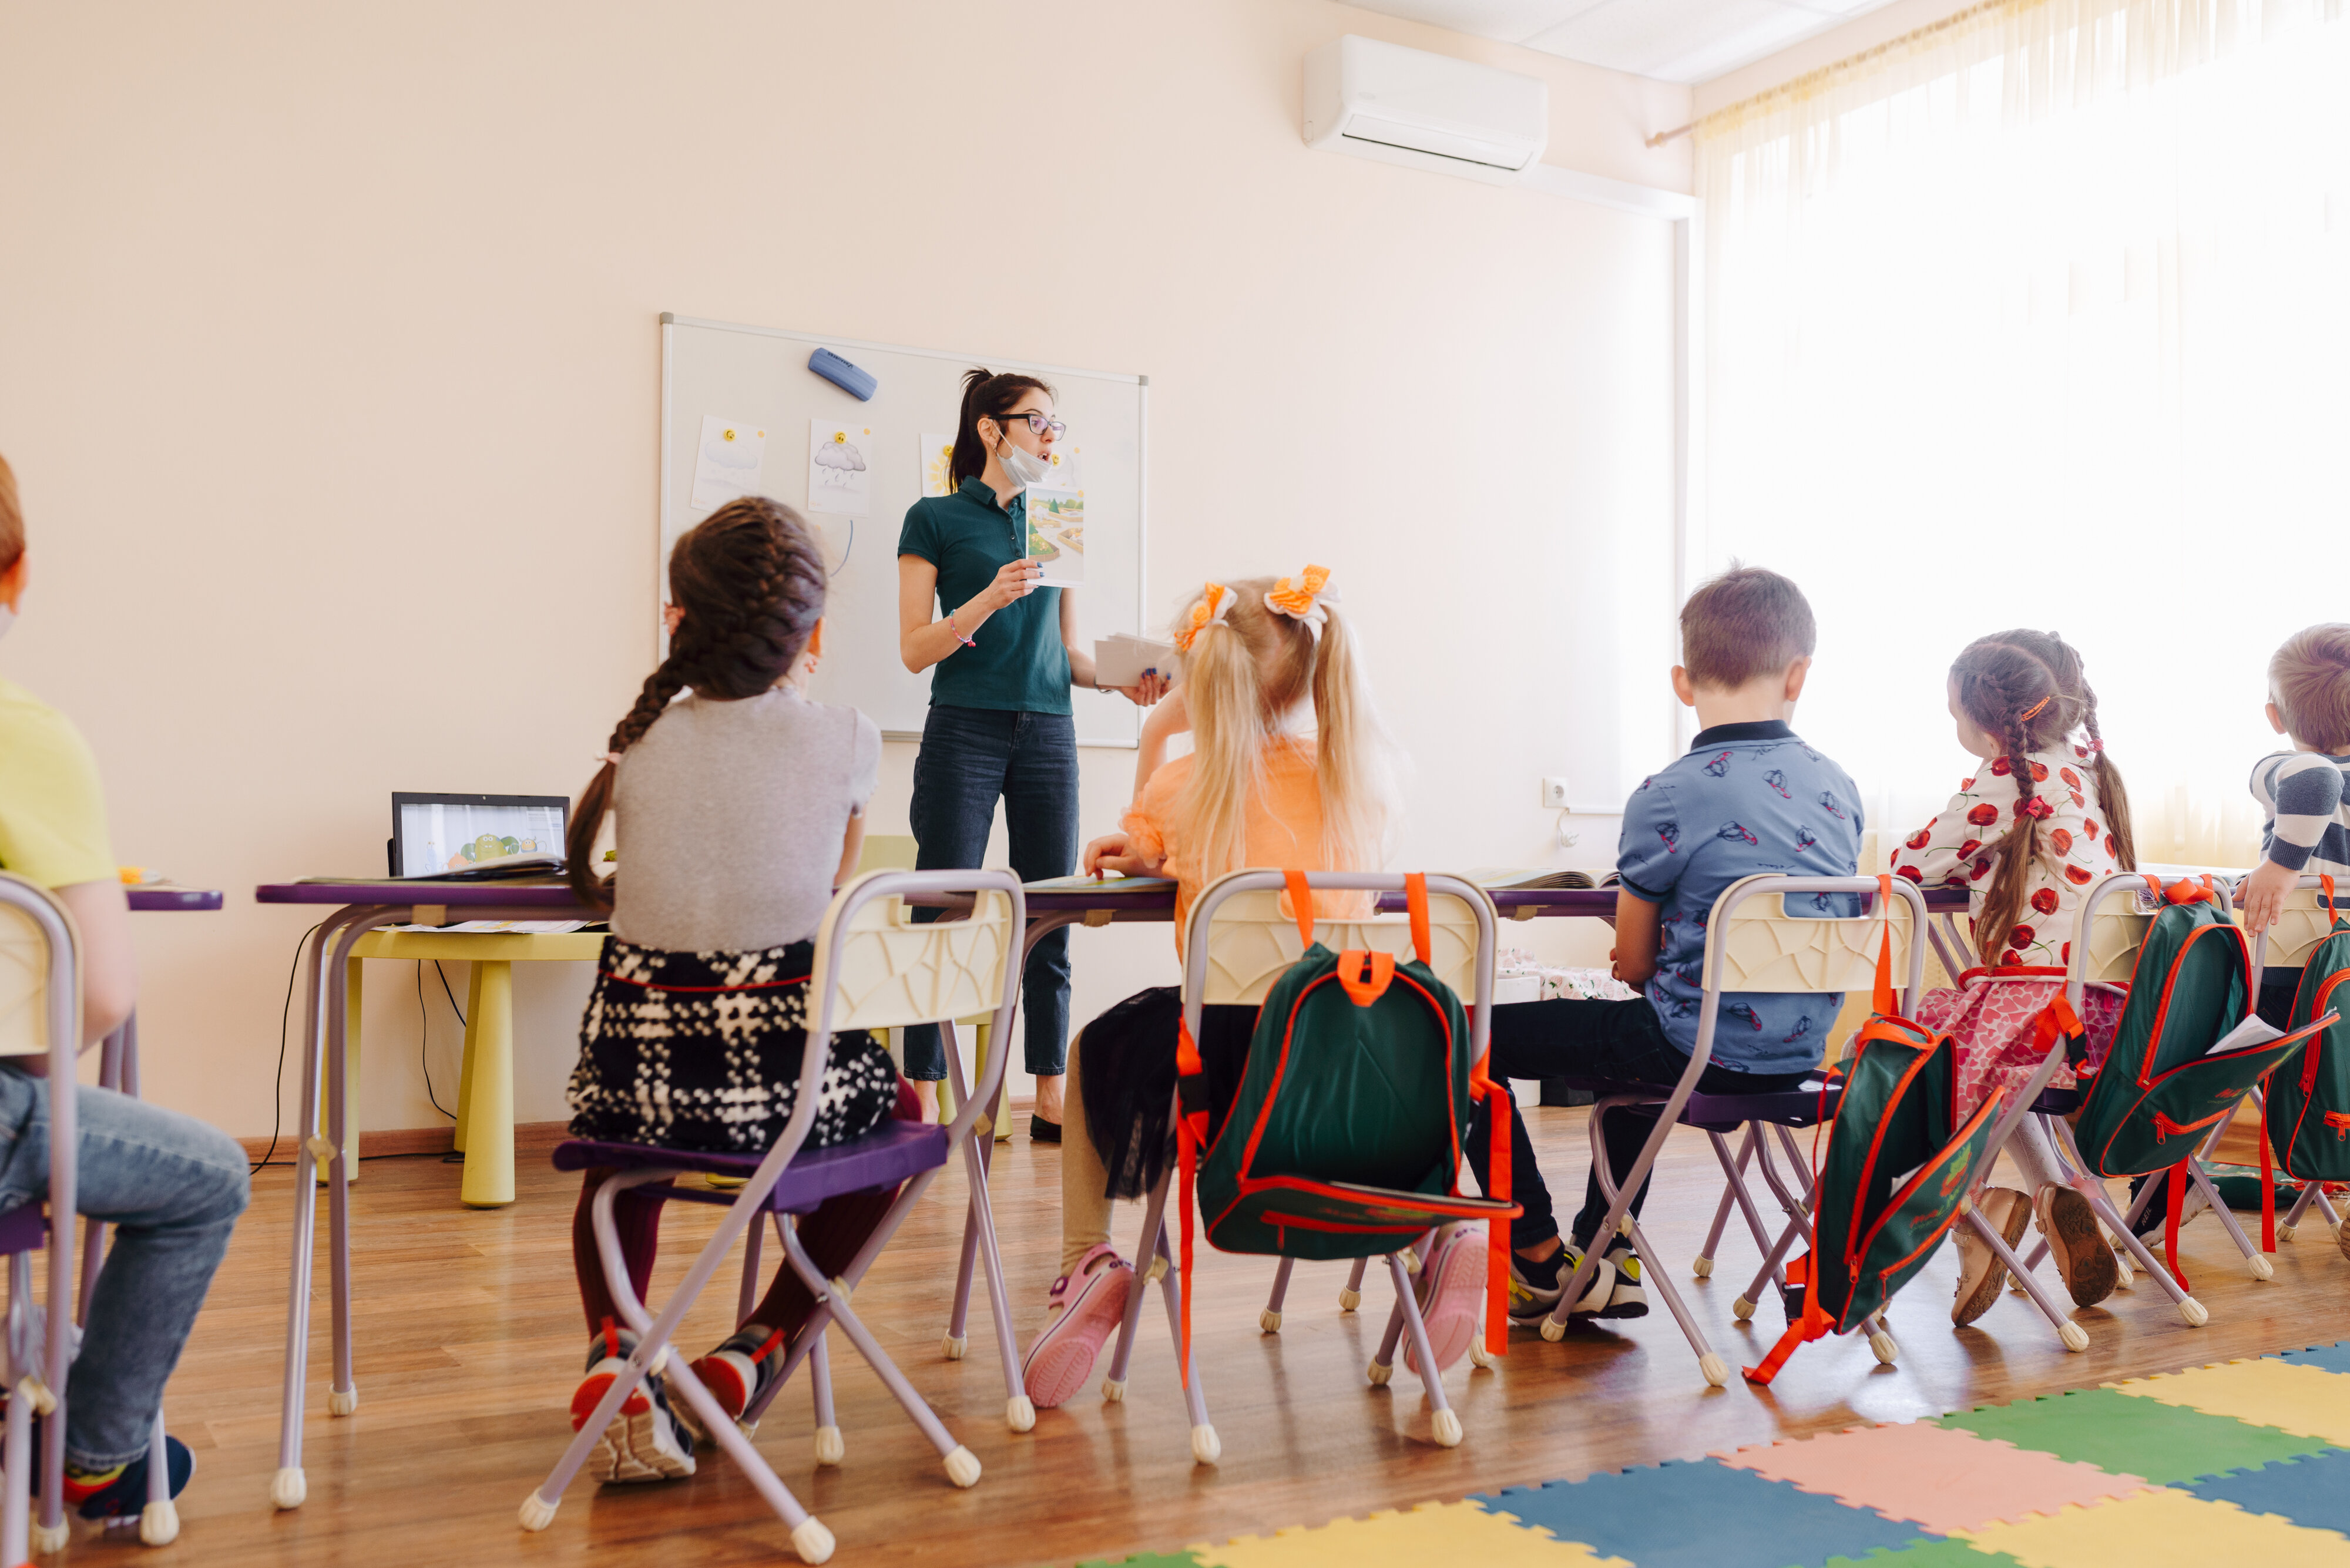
[172,1187]
[970,758]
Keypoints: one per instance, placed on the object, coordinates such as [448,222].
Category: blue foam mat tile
[2332,1358]
[2313,1491]
[1702,1514]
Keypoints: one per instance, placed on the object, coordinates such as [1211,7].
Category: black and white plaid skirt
[702,1050]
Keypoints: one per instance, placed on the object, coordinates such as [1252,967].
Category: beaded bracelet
[957,630]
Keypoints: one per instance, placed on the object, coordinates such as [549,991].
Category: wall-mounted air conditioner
[1426,111]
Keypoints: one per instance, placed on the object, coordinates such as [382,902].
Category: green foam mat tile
[1928,1555]
[2131,1436]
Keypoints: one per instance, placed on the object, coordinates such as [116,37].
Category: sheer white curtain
[2042,319]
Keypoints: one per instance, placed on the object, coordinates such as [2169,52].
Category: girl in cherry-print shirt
[2027,853]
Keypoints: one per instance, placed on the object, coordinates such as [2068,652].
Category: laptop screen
[432,833]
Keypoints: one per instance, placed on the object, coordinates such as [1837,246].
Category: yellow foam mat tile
[1433,1532]
[2290,1396]
[2162,1529]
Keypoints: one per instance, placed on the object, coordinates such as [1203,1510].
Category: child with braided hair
[737,807]
[2043,818]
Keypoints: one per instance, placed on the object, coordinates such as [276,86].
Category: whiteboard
[758,376]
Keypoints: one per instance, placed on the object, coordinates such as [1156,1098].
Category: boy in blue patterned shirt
[1749,797]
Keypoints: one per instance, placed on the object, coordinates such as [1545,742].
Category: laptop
[477,835]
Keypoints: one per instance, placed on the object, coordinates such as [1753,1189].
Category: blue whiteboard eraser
[856,382]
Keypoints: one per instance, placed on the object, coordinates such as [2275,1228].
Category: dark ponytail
[750,581]
[985,396]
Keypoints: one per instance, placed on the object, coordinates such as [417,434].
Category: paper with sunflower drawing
[937,459]
[727,463]
[840,469]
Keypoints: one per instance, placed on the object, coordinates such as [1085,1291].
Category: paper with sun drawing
[840,469]
[937,455]
[726,465]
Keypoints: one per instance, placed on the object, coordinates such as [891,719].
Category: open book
[1123,660]
[1113,883]
[498,869]
[1530,880]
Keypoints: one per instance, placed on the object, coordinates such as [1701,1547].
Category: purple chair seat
[888,1155]
[24,1228]
[2057,1102]
[1798,1107]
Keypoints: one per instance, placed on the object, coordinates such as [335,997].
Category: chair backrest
[2113,928]
[887,971]
[2303,924]
[1754,943]
[39,998]
[1249,942]
[888,852]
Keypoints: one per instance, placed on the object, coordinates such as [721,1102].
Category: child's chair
[40,1012]
[1238,945]
[1752,944]
[874,969]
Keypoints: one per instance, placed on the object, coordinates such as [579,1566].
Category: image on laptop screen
[434,833]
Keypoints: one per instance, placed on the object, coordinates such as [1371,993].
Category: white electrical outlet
[1554,794]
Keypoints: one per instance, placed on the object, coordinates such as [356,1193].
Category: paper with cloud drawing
[727,463]
[840,469]
[1057,535]
[937,455]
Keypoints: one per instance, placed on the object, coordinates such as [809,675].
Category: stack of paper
[1123,660]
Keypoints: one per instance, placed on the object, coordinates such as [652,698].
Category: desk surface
[554,898]
[148,899]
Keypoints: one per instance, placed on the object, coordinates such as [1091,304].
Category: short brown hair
[2309,680]
[12,518]
[1748,621]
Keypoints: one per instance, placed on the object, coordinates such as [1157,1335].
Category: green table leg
[488,1118]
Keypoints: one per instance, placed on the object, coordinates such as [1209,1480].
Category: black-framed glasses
[1038,420]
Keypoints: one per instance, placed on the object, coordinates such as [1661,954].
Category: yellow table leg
[996,1115]
[489,1107]
[465,1066]
[352,971]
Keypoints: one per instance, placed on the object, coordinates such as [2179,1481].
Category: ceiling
[1670,40]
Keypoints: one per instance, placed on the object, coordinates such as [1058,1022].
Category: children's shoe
[119,1493]
[1089,1302]
[1626,1299]
[643,1441]
[2152,1224]
[2082,1256]
[1980,1273]
[1535,1288]
[1451,1295]
[736,1373]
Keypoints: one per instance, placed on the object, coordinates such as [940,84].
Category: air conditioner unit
[1426,111]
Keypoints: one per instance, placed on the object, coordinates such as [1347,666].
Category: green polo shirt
[1018,664]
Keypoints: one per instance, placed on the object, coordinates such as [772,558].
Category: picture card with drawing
[1057,535]
[840,469]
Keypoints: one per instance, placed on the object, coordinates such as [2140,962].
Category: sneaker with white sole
[1089,1304]
[643,1441]
[736,1373]
[1626,1299]
[2083,1257]
[1451,1296]
[1980,1273]
[1535,1287]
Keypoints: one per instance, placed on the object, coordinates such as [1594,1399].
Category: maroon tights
[832,1236]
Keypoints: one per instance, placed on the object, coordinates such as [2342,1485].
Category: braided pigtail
[2004,900]
[751,584]
[2112,798]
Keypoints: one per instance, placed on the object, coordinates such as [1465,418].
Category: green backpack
[1345,1138]
[2306,1117]
[1892,1125]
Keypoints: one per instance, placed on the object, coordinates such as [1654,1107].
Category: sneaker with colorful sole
[643,1441]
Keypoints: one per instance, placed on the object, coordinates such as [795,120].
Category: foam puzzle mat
[2242,1461]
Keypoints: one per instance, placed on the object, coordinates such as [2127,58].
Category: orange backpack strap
[1498,1110]
[1301,906]
[1810,1324]
[2268,1185]
[1415,892]
[1365,976]
[2174,1197]
[1884,999]
[1190,1137]
[2326,881]
[2055,1021]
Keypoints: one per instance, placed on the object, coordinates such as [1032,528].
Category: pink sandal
[1092,1299]
[1451,1298]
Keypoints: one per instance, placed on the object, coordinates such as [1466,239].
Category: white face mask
[1024,468]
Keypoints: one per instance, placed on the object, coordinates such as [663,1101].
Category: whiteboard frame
[1142,384]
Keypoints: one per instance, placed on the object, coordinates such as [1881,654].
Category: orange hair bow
[1302,597]
[1215,602]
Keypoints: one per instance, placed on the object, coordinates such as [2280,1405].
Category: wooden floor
[470,1341]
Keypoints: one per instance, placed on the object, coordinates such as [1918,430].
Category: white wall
[329,367]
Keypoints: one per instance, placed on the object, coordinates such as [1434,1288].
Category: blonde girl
[2041,819]
[1266,661]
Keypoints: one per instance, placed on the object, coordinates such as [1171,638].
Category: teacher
[1000,727]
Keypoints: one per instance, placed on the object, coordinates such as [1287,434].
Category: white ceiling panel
[1672,40]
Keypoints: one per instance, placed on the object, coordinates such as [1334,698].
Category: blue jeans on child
[970,758]
[1619,1042]
[172,1187]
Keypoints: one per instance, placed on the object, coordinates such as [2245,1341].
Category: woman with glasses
[1006,654]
